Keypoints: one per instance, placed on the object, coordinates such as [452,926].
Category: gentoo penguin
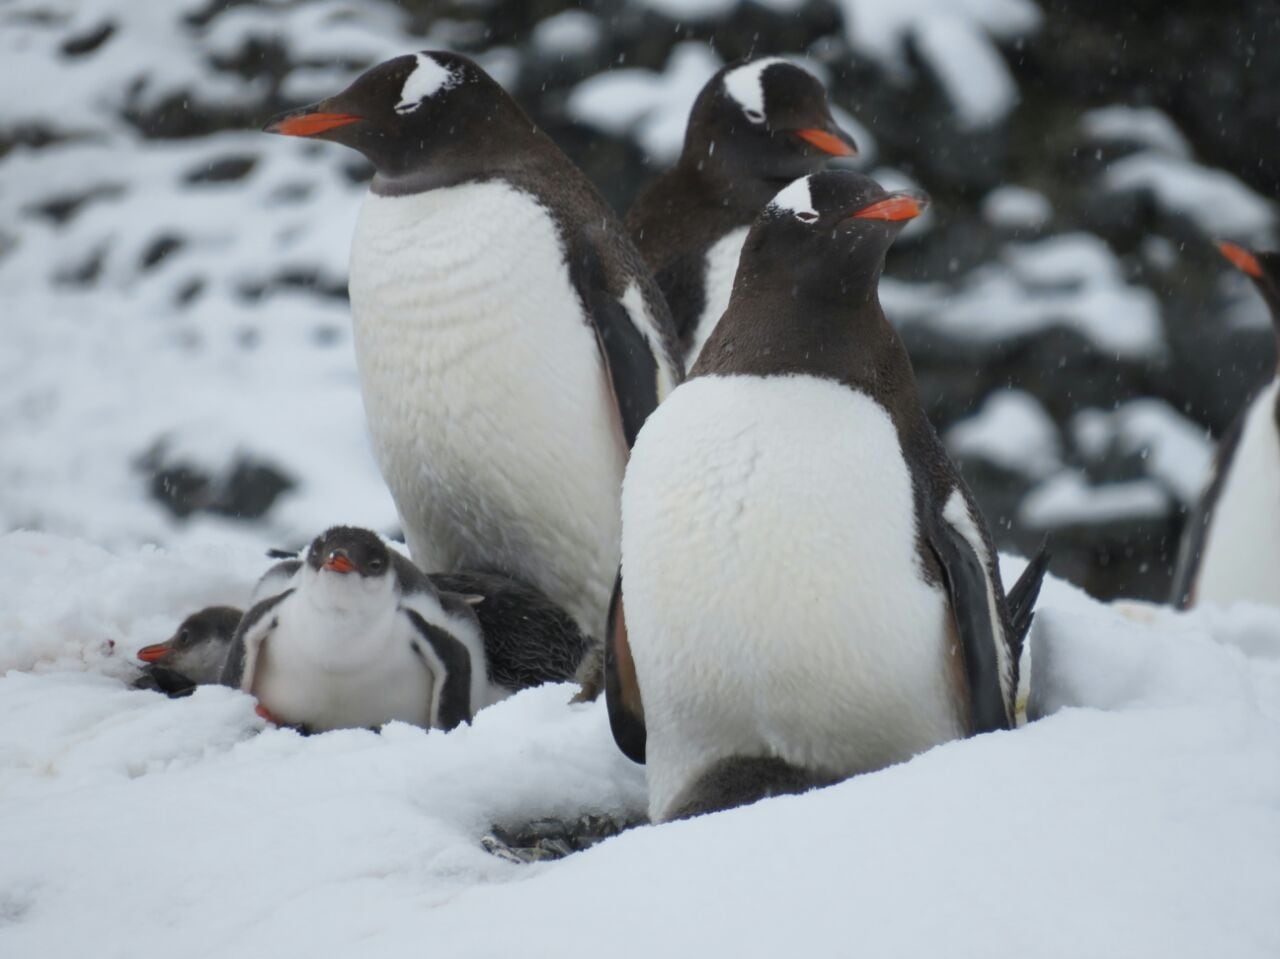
[197,651]
[193,655]
[509,337]
[1231,547]
[755,127]
[359,638]
[810,591]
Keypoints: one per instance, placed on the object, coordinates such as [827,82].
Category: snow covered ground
[1140,817]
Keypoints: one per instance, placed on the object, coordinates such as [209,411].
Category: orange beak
[1241,259]
[894,208]
[155,653]
[339,563]
[309,123]
[836,144]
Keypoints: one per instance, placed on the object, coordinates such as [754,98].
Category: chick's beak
[154,653]
[339,562]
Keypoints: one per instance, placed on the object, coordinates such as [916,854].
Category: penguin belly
[721,268]
[323,676]
[492,419]
[775,601]
[1241,559]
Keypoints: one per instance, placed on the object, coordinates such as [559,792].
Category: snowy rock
[1011,431]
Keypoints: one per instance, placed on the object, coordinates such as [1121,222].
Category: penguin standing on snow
[1231,547]
[810,591]
[509,337]
[754,128]
[358,639]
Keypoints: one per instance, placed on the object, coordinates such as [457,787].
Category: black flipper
[965,579]
[233,666]
[451,662]
[630,365]
[1021,599]
[621,688]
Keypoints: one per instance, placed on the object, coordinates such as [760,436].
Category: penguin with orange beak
[755,127]
[808,589]
[1231,546]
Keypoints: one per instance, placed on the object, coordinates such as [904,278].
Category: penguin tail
[1022,597]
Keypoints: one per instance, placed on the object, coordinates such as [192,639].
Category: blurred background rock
[172,283]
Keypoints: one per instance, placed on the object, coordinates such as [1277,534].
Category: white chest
[722,267]
[1242,549]
[325,670]
[775,601]
[484,389]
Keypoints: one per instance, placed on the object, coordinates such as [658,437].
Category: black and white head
[198,646]
[831,230]
[427,109]
[349,567]
[767,119]
[1262,268]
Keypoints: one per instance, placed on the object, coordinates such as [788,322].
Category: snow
[1070,280]
[1179,452]
[1016,207]
[971,70]
[1145,125]
[954,38]
[1012,431]
[650,106]
[1067,499]
[1215,200]
[136,825]
[567,33]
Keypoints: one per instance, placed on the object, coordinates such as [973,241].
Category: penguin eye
[184,635]
[755,116]
[375,565]
[806,216]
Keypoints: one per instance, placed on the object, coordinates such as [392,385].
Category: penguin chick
[358,638]
[755,127]
[1230,548]
[504,327]
[193,655]
[808,589]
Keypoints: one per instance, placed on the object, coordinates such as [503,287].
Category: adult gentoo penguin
[510,339]
[810,591]
[359,638]
[755,127]
[1231,546]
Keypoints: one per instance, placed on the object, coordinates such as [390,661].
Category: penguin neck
[834,330]
[503,143]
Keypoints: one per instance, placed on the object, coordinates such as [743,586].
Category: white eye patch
[746,86]
[797,200]
[426,79]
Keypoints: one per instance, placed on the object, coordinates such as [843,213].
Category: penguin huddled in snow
[510,339]
[360,638]
[357,636]
[197,651]
[755,127]
[808,589]
[193,655]
[1231,547]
